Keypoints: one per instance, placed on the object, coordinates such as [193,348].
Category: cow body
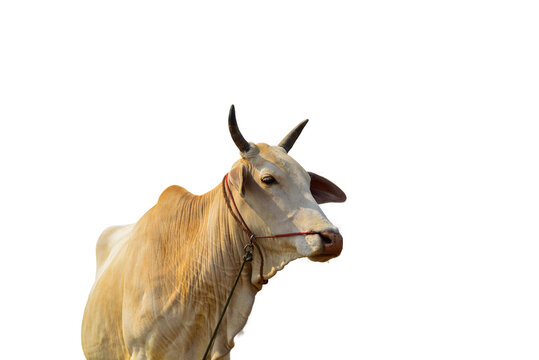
[162,283]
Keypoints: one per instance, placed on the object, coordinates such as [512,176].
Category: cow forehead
[275,158]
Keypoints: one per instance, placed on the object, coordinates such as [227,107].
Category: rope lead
[247,257]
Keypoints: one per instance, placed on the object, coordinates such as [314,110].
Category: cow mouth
[321,257]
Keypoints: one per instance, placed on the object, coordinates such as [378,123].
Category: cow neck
[234,211]
[248,254]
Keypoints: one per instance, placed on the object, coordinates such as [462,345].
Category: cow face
[277,196]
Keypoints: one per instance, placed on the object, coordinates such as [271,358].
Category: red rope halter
[248,256]
[239,219]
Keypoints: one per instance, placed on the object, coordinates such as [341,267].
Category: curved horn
[292,136]
[238,138]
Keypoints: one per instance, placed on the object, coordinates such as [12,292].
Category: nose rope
[239,219]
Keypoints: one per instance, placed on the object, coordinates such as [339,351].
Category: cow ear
[325,191]
[238,176]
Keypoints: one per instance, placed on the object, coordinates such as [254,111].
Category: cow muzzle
[331,246]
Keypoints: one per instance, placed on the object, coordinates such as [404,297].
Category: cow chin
[321,257]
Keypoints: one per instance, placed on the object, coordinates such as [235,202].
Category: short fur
[180,269]
[162,282]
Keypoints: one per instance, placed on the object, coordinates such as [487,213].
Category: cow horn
[292,136]
[238,138]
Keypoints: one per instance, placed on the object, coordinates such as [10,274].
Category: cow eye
[268,179]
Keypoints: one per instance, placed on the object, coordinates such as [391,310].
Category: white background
[424,112]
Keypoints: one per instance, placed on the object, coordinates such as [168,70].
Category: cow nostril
[331,243]
[331,239]
[326,240]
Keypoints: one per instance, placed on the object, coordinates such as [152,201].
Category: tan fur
[172,260]
[161,284]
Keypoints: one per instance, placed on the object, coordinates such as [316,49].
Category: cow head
[275,195]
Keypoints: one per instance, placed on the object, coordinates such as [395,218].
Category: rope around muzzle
[248,253]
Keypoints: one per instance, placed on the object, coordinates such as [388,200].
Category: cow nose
[331,242]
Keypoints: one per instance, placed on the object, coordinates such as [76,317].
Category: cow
[162,282]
